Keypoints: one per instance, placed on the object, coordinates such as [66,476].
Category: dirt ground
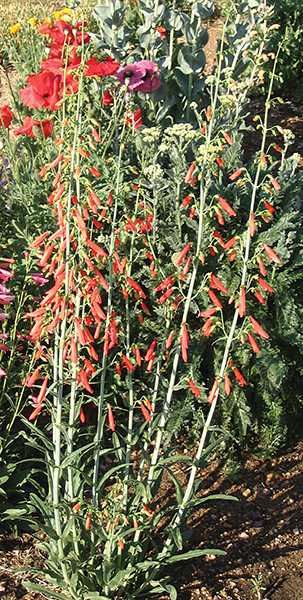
[262,533]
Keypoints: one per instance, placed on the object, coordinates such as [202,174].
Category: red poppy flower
[6,116]
[93,68]
[41,90]
[107,98]
[29,123]
[135,119]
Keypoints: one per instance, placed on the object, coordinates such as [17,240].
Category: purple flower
[38,278]
[143,76]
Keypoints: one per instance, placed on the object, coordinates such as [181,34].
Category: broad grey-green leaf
[36,587]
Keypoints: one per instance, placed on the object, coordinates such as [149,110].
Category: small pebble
[244,536]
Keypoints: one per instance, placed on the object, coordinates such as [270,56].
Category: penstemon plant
[156,257]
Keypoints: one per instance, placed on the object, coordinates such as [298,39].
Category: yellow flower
[48,20]
[63,15]
[32,21]
[14,28]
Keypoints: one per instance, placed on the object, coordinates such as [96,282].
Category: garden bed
[262,535]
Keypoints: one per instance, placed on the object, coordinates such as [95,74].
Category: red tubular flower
[242,303]
[226,384]
[35,412]
[84,381]
[42,392]
[76,507]
[239,378]
[253,344]
[214,299]
[220,162]
[186,201]
[261,266]
[184,342]
[259,297]
[230,211]
[33,378]
[136,287]
[169,340]
[194,388]
[145,413]
[189,173]
[271,255]
[182,254]
[166,283]
[96,250]
[46,254]
[127,363]
[186,266]
[6,116]
[252,227]
[88,522]
[208,312]
[235,175]
[218,285]
[111,421]
[219,216]
[150,351]
[80,335]
[38,241]
[230,243]
[166,295]
[228,139]
[138,357]
[73,347]
[269,207]
[274,183]
[265,286]
[94,172]
[213,392]
[258,329]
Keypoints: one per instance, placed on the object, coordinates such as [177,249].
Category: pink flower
[6,298]
[3,316]
[38,278]
[5,275]
[2,373]
[143,76]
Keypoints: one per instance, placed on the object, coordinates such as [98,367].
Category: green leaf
[193,554]
[196,501]
[109,474]
[36,587]
[179,490]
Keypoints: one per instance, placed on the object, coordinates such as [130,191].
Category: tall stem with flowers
[151,229]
